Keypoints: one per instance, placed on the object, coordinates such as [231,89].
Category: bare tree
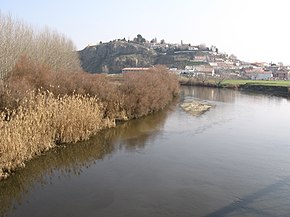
[16,40]
[202,78]
[45,47]
[220,77]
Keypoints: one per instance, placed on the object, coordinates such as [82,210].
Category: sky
[253,30]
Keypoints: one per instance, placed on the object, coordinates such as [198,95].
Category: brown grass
[43,120]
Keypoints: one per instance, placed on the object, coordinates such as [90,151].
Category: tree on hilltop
[139,39]
[154,40]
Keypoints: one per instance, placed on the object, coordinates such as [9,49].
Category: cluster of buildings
[211,63]
[208,61]
[266,71]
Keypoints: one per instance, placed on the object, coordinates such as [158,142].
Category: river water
[233,160]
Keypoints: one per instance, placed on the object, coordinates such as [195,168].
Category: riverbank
[277,88]
[271,90]
[42,119]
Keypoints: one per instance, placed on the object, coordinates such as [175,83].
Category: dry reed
[43,120]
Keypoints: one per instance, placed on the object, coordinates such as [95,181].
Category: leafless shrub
[148,91]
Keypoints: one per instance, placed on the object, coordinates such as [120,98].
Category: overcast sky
[253,30]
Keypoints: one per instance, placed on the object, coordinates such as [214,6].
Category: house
[200,58]
[124,70]
[204,69]
[229,63]
[188,71]
[193,48]
[261,75]
[213,64]
[281,74]
[175,71]
[253,72]
[218,60]
[273,68]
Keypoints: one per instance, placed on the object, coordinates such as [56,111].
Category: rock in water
[195,107]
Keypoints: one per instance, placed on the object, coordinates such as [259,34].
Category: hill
[112,57]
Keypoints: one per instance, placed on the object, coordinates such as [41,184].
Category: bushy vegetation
[148,92]
[40,111]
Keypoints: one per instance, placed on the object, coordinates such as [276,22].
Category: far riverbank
[277,88]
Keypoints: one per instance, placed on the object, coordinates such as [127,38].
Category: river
[233,160]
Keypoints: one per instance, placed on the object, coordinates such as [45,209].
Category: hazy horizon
[253,30]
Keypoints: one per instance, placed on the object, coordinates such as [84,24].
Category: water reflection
[74,159]
[212,94]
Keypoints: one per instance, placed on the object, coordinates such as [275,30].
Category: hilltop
[112,56]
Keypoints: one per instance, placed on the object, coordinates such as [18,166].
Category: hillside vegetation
[48,101]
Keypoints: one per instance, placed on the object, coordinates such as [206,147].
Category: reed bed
[43,120]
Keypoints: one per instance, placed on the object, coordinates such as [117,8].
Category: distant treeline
[46,100]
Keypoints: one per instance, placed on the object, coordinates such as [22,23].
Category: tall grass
[42,120]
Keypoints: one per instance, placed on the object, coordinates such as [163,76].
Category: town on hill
[185,59]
